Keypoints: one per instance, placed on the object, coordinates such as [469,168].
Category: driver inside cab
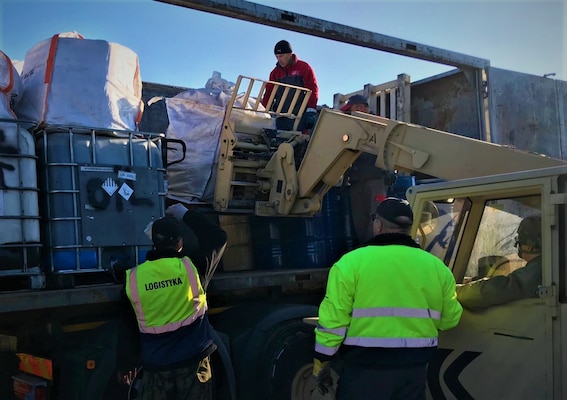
[521,283]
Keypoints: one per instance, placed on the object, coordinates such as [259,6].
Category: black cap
[282,47]
[396,211]
[354,99]
[529,231]
[166,232]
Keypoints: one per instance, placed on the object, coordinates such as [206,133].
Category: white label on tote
[127,175]
[96,169]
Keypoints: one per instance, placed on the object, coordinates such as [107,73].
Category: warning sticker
[110,186]
[125,191]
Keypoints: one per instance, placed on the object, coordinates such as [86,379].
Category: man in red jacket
[291,70]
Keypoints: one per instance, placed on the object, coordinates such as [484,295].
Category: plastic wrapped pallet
[72,81]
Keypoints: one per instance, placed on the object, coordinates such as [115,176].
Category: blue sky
[182,47]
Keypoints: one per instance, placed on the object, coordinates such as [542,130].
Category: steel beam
[265,15]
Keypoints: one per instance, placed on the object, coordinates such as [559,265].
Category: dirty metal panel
[117,203]
[528,112]
[448,102]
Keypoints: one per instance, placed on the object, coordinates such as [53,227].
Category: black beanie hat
[166,232]
[282,47]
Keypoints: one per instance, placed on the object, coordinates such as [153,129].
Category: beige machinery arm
[281,189]
[338,139]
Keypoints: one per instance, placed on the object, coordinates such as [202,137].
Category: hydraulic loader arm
[338,139]
[274,173]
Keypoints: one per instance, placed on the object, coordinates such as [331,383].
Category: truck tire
[288,362]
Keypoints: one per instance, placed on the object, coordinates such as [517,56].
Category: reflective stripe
[396,312]
[192,281]
[336,331]
[391,342]
[328,351]
[173,326]
[198,311]
[135,295]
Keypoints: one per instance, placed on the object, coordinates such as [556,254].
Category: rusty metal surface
[528,112]
[448,102]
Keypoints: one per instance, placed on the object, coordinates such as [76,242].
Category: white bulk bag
[10,87]
[69,80]
[196,116]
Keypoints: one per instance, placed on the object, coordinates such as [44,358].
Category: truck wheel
[288,362]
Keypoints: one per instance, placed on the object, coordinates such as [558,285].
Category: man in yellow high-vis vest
[384,305]
[170,306]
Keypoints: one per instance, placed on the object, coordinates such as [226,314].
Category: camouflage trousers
[188,383]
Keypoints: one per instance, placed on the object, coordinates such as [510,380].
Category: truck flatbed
[28,300]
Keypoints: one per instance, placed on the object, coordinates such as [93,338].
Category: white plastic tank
[19,211]
[19,207]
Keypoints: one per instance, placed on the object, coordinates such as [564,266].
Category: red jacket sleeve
[310,82]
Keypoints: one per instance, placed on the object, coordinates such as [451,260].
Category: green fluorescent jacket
[388,294]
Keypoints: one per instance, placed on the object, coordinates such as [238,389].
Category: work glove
[177,211]
[322,375]
[309,118]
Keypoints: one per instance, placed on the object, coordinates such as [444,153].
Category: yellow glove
[322,375]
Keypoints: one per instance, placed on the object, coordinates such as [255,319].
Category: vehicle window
[494,251]
[441,226]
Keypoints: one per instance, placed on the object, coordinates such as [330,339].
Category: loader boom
[279,188]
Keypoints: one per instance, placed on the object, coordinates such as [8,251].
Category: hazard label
[126,191]
[109,186]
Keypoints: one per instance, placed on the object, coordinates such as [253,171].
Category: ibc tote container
[101,188]
[19,207]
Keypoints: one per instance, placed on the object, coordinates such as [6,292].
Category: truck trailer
[67,333]
[79,340]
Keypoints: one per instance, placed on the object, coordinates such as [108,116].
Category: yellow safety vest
[166,294]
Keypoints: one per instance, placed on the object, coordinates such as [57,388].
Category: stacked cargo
[305,242]
[100,189]
[19,211]
[100,180]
